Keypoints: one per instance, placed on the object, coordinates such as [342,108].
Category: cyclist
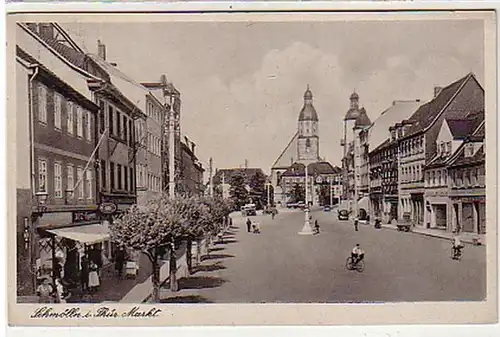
[357,254]
[457,245]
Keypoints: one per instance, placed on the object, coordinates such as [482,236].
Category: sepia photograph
[165,162]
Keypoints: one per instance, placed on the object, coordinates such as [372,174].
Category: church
[303,150]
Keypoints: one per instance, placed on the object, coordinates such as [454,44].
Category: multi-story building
[55,174]
[467,176]
[355,159]
[191,177]
[440,211]
[417,140]
[383,159]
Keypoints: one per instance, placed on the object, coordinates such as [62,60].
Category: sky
[242,83]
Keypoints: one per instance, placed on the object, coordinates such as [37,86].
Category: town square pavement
[278,265]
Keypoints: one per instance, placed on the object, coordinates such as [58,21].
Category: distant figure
[93,277]
[84,273]
[316,227]
[120,261]
[44,292]
[256,228]
[249,225]
[357,254]
[356,222]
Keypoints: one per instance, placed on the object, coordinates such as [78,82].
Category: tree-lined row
[164,223]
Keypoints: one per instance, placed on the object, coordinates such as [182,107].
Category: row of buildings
[91,142]
[420,163]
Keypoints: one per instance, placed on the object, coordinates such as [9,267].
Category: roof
[308,112]
[289,154]
[398,111]
[228,174]
[323,167]
[461,128]
[363,119]
[133,90]
[477,158]
[427,113]
[381,146]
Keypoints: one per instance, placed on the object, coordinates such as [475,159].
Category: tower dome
[308,113]
[353,112]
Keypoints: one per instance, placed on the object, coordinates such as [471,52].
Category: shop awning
[88,234]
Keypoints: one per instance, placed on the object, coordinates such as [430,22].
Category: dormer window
[469,150]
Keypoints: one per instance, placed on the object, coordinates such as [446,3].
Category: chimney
[101,50]
[437,90]
[193,145]
[46,30]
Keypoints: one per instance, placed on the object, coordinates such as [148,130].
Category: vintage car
[343,214]
[327,208]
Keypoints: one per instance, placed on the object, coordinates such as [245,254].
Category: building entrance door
[468,217]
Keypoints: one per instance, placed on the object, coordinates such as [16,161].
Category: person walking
[119,261]
[84,274]
[93,277]
[249,225]
[356,223]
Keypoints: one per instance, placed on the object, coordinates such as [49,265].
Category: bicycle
[360,266]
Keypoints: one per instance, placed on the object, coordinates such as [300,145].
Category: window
[466,177]
[57,111]
[448,148]
[42,104]
[473,176]
[438,178]
[118,124]
[459,176]
[79,122]
[125,131]
[433,179]
[445,178]
[110,120]
[57,180]
[70,177]
[125,178]
[71,124]
[42,175]
[469,150]
[112,175]
[81,185]
[89,184]
[131,175]
[102,117]
[103,173]
[119,175]
[89,126]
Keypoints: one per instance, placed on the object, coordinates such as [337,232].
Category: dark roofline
[464,80]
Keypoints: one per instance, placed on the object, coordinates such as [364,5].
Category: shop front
[61,246]
[390,208]
[470,214]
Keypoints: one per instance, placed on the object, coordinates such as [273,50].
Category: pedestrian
[93,277]
[119,261]
[316,226]
[249,225]
[84,273]
[356,224]
[60,293]
[44,292]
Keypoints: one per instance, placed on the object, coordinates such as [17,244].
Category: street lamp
[306,230]
[268,199]
[171,146]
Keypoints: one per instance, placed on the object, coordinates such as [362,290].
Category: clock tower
[308,133]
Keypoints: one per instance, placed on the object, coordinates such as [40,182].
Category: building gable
[289,154]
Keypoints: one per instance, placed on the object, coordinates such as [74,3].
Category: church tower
[308,133]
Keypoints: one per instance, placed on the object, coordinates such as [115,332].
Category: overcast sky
[242,84]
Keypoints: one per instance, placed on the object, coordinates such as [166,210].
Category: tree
[324,194]
[238,191]
[298,193]
[258,188]
[151,229]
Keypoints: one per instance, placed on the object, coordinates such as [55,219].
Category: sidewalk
[438,233]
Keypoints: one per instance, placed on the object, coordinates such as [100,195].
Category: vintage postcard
[172,169]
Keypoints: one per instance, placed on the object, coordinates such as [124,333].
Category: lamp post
[171,147]
[41,207]
[268,199]
[306,230]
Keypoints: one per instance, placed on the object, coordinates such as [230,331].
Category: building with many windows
[457,138]
[55,168]
[417,144]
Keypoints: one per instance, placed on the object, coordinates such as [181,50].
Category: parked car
[327,208]
[343,214]
[249,210]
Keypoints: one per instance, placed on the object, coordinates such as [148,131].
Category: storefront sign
[84,216]
[108,208]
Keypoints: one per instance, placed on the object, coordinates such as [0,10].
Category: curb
[468,241]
